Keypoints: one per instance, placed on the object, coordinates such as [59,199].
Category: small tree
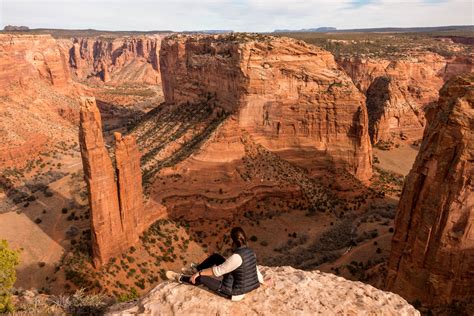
[9,259]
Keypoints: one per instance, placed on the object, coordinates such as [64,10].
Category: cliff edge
[432,256]
[290,292]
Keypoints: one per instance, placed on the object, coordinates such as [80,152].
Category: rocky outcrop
[129,181]
[392,113]
[287,95]
[116,207]
[432,256]
[26,58]
[289,292]
[399,89]
[425,72]
[119,60]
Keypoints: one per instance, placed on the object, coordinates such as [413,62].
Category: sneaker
[173,276]
[191,270]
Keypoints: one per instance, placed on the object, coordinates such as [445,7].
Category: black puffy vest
[243,279]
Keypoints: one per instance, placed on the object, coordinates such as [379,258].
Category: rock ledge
[291,292]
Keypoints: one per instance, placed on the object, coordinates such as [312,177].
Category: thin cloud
[238,15]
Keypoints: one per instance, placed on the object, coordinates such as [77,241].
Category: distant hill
[318,29]
[209,31]
[469,28]
[14,28]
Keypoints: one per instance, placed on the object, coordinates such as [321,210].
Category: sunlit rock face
[286,95]
[116,206]
[391,113]
[432,256]
[31,57]
[35,108]
[117,60]
[399,89]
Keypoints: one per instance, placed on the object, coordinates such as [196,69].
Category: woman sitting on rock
[239,272]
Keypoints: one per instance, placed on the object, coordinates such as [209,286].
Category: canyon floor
[51,225]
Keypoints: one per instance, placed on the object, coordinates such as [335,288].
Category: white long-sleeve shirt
[232,263]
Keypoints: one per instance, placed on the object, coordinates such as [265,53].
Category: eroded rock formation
[289,292]
[392,113]
[399,89]
[129,180]
[26,58]
[35,111]
[288,95]
[432,256]
[116,206]
[122,59]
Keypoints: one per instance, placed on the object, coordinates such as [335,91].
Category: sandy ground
[42,244]
[398,160]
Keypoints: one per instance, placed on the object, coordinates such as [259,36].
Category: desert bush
[130,296]
[9,259]
[81,303]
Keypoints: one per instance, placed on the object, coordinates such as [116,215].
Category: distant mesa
[448,28]
[210,32]
[14,28]
[322,29]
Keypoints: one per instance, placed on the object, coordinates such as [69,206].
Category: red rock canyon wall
[432,256]
[287,94]
[414,84]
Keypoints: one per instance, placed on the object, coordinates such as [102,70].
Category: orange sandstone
[116,207]
[432,256]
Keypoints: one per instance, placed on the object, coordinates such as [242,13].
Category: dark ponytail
[238,237]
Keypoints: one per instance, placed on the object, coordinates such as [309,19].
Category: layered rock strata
[399,89]
[288,292]
[288,95]
[122,59]
[116,206]
[432,256]
[26,58]
[35,110]
[129,182]
[391,112]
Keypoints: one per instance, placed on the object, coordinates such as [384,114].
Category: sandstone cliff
[290,292]
[118,60]
[432,256]
[414,84]
[391,112]
[287,95]
[26,58]
[34,109]
[116,207]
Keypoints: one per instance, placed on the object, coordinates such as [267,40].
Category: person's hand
[194,277]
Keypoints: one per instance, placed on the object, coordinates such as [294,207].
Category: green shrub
[9,259]
[130,296]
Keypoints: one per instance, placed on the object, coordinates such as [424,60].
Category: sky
[236,15]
